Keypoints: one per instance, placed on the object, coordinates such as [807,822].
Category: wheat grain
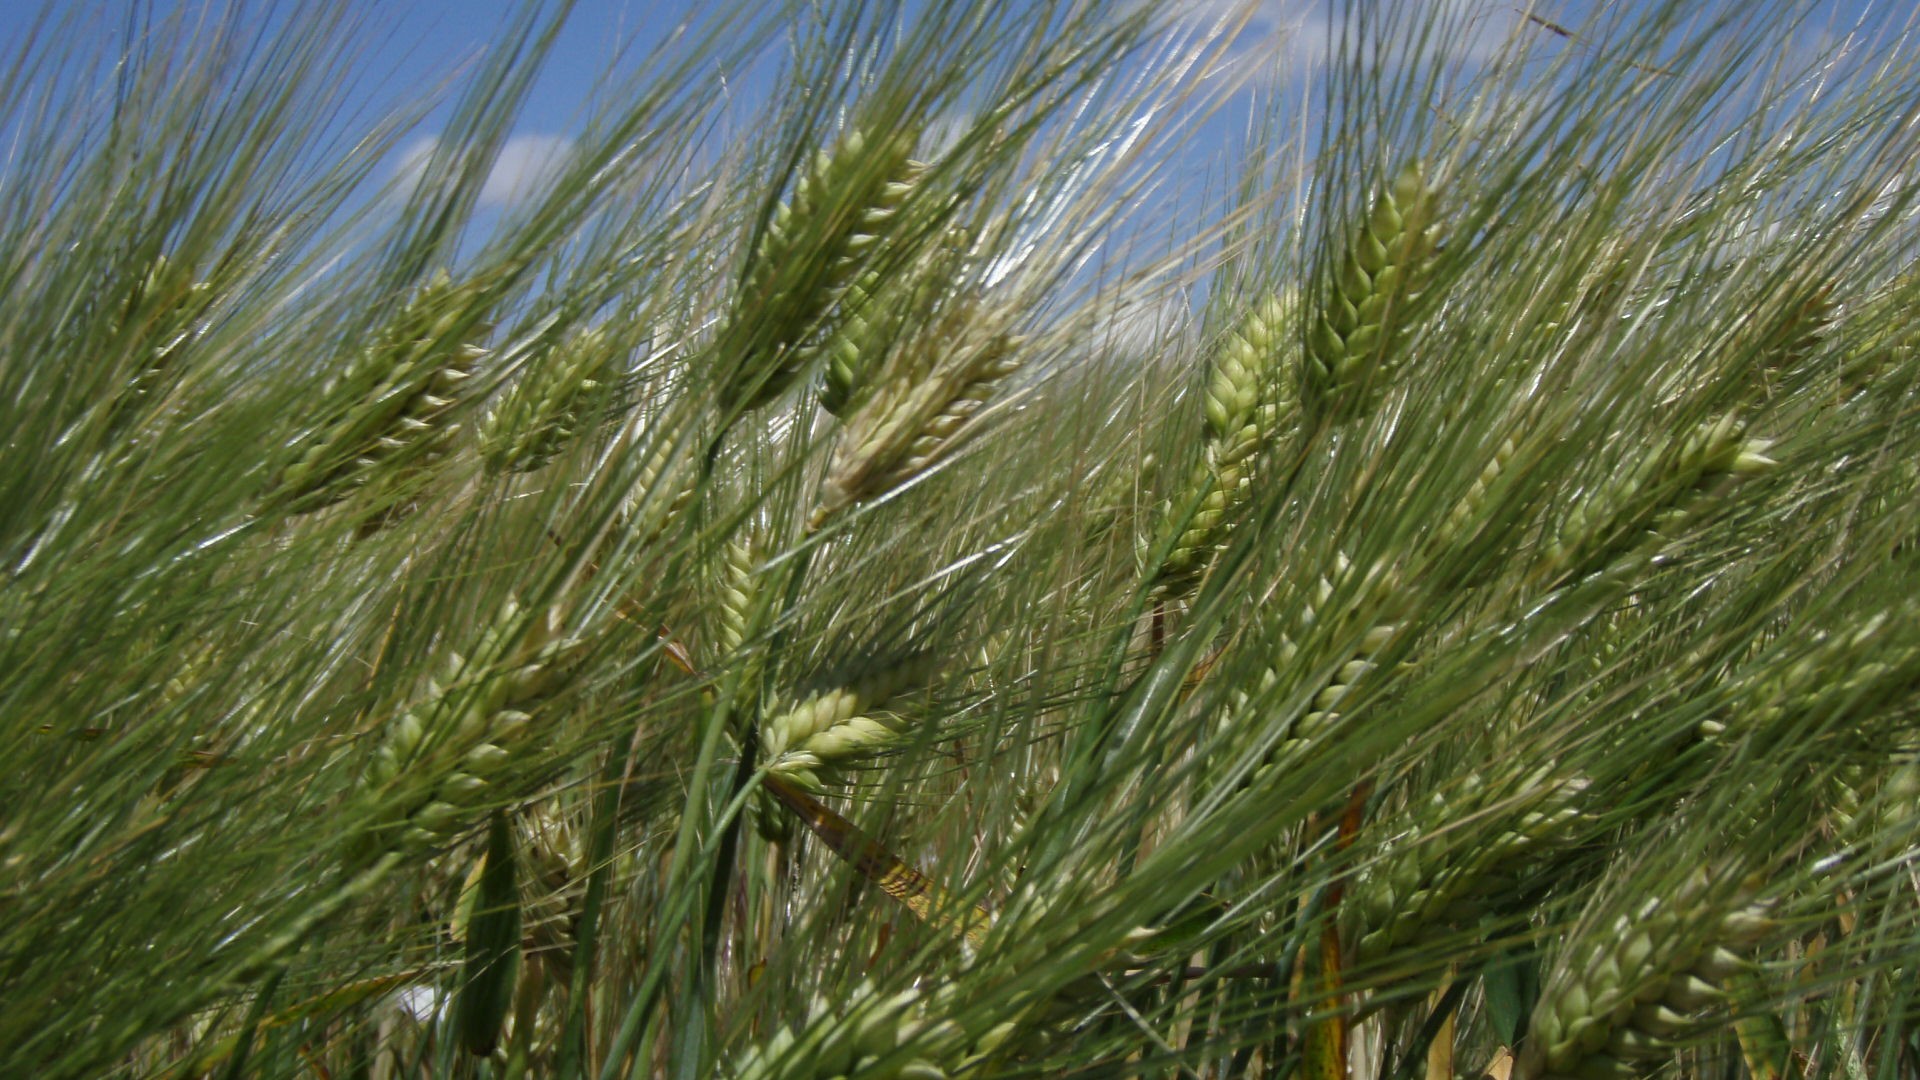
[561,393]
[1352,344]
[1623,993]
[737,590]
[814,246]
[444,753]
[1624,523]
[841,725]
[391,405]
[874,316]
[1416,888]
[1245,403]
[917,417]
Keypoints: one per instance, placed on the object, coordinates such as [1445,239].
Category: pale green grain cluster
[1372,588]
[738,588]
[921,412]
[1855,668]
[861,1035]
[561,394]
[1623,523]
[392,407]
[843,208]
[874,319]
[862,336]
[1246,402]
[464,732]
[840,726]
[162,315]
[1466,514]
[663,486]
[1875,802]
[1351,348]
[1625,994]
[1455,867]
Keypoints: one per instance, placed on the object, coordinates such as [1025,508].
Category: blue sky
[407,44]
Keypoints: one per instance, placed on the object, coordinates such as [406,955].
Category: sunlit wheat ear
[843,208]
[915,418]
[1623,524]
[1623,996]
[851,1036]
[558,397]
[1451,869]
[391,406]
[1247,403]
[840,726]
[1372,590]
[1881,337]
[738,587]
[663,486]
[445,751]
[1861,670]
[161,318]
[1352,348]
[874,313]
[845,1037]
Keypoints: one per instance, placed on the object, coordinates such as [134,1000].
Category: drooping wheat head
[559,396]
[391,407]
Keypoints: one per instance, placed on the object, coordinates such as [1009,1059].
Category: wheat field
[1020,540]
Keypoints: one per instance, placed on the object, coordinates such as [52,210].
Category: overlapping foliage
[845,583]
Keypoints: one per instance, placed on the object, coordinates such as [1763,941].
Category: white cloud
[525,165]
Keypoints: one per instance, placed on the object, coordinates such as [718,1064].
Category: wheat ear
[1373,589]
[444,752]
[393,403]
[1452,879]
[1623,524]
[1853,668]
[1246,402]
[814,246]
[919,416]
[1622,995]
[561,393]
[1351,344]
[839,726]
[738,587]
